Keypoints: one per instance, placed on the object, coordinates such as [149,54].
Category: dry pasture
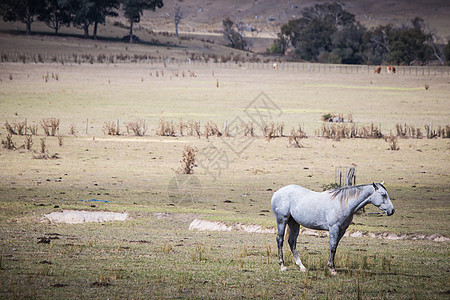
[154,254]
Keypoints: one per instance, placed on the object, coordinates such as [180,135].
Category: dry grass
[239,195]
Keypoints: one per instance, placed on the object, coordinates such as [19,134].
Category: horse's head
[380,199]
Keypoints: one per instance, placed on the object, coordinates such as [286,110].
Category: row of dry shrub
[269,130]
[49,125]
[9,144]
[339,131]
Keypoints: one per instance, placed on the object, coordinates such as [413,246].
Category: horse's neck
[361,201]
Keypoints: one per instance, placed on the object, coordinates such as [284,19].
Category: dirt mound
[204,225]
[81,216]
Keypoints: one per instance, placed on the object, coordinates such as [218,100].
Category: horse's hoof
[283,269]
[333,272]
[302,268]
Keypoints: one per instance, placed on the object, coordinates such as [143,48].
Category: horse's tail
[287,232]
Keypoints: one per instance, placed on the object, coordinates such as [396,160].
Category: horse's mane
[344,193]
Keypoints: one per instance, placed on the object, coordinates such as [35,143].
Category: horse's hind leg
[281,226]
[293,234]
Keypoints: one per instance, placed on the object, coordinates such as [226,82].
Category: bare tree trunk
[131,31]
[86,30]
[28,27]
[94,34]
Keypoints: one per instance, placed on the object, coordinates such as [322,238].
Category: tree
[133,10]
[20,10]
[177,16]
[447,53]
[376,47]
[410,44]
[235,38]
[101,10]
[54,14]
[81,13]
[313,33]
[347,43]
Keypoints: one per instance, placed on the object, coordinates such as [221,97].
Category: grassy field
[153,254]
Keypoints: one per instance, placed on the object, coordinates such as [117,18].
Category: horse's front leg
[335,236]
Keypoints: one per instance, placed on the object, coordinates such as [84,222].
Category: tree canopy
[133,9]
[328,33]
[20,10]
[80,13]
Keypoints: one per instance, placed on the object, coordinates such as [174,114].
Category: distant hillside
[205,16]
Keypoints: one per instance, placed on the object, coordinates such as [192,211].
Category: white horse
[330,210]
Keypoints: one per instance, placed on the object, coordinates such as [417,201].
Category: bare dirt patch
[78,217]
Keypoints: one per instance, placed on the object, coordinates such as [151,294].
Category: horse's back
[305,206]
[284,198]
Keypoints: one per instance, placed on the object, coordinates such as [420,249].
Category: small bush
[20,127]
[296,136]
[44,153]
[138,128]
[8,143]
[165,128]
[72,130]
[211,129]
[50,126]
[33,129]
[330,186]
[188,160]
[28,142]
[193,128]
[248,128]
[10,128]
[111,128]
[393,144]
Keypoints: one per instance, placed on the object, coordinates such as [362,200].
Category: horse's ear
[375,186]
[382,183]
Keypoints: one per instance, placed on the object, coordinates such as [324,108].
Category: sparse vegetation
[154,247]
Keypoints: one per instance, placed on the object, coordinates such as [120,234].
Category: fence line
[236,62]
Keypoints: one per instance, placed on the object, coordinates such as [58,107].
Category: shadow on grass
[370,272]
[123,40]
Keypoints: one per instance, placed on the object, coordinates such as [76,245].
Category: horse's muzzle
[390,212]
